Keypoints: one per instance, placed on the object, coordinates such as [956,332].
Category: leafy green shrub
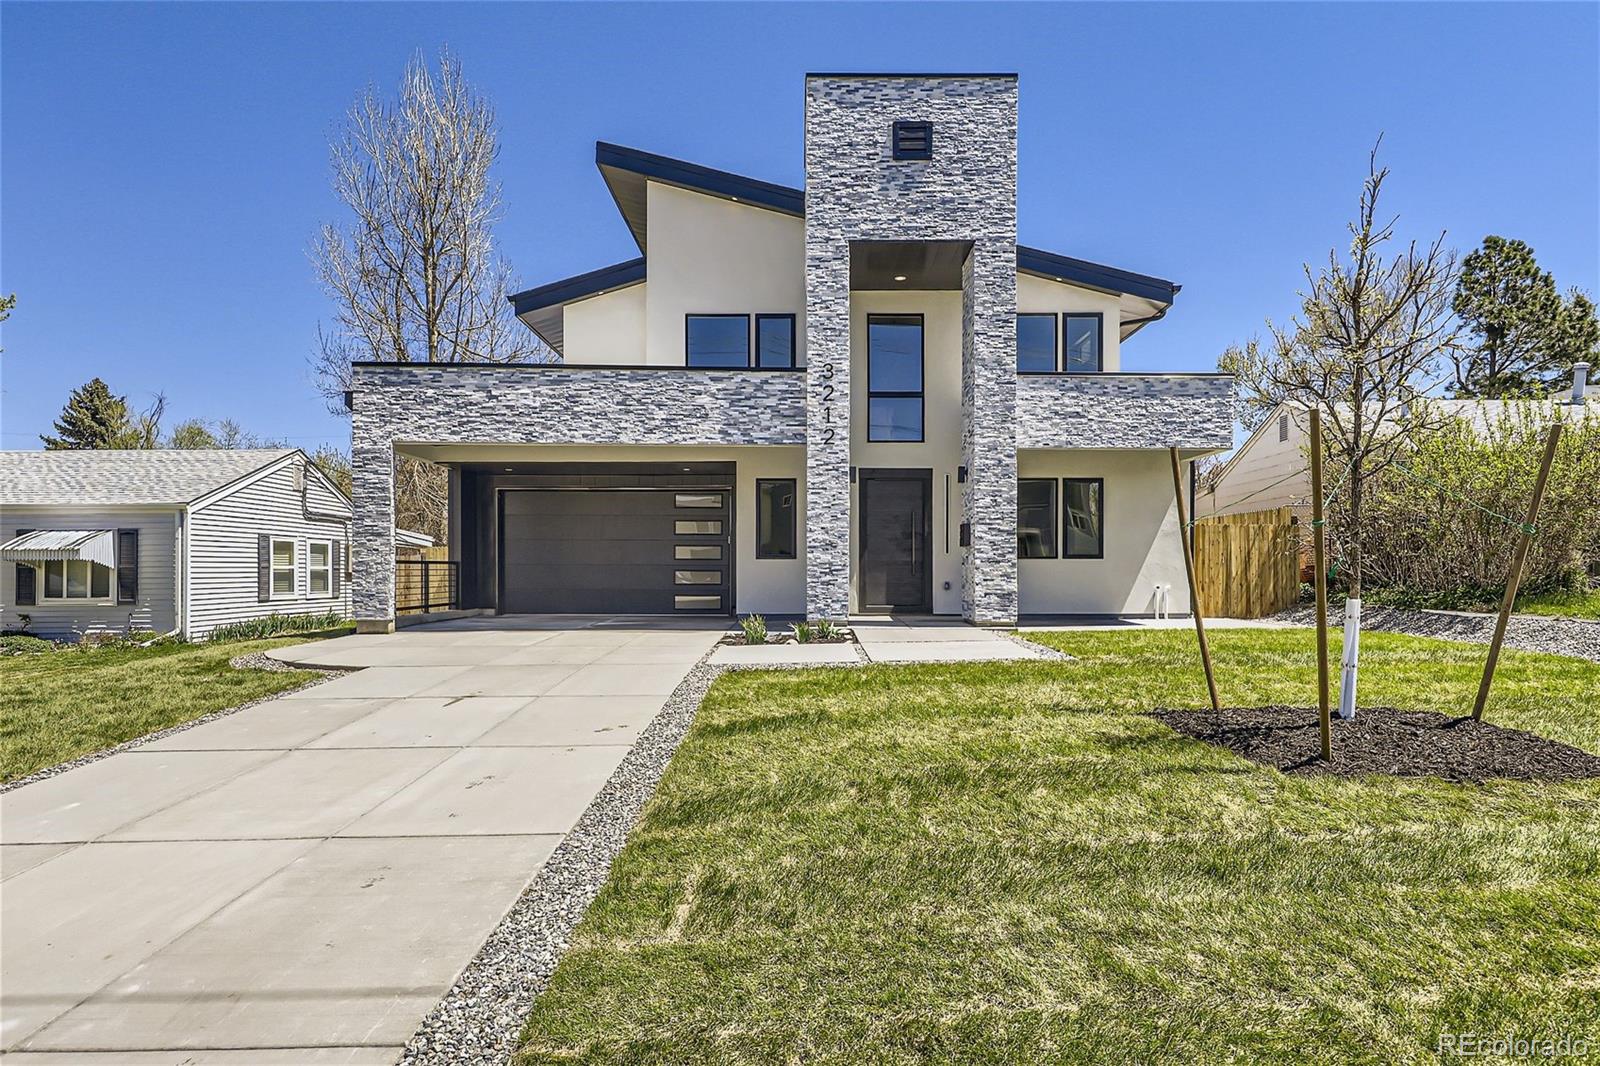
[755,629]
[274,624]
[803,632]
[22,644]
[827,630]
[1428,539]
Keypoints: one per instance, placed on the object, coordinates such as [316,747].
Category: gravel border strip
[1576,638]
[253,661]
[481,1018]
[1044,651]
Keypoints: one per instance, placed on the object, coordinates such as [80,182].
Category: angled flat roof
[627,172]
[540,307]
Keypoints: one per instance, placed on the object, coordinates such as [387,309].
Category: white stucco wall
[713,256]
[940,450]
[1142,547]
[1036,295]
[607,328]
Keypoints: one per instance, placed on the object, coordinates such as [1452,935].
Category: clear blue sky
[164,166]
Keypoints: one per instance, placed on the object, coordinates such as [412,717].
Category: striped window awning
[43,545]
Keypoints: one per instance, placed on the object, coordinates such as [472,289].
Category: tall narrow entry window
[894,378]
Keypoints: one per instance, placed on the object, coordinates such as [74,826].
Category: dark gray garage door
[643,551]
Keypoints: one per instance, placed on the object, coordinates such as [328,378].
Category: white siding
[223,537]
[1267,473]
[155,608]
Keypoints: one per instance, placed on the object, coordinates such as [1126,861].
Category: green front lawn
[1563,604]
[1009,863]
[62,704]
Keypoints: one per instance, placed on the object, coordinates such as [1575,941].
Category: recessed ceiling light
[899,277]
[510,470]
[735,199]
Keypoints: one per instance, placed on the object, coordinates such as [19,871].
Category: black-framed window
[894,378]
[1036,344]
[717,340]
[1080,341]
[1036,518]
[775,341]
[1083,507]
[776,509]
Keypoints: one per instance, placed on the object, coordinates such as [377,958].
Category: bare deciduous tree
[415,276]
[1365,347]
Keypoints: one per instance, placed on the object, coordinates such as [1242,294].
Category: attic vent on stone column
[913,140]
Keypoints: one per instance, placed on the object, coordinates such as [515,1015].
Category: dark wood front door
[895,572]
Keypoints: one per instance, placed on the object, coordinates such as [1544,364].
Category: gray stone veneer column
[857,191]
[372,532]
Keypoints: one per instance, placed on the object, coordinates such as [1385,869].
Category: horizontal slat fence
[1247,565]
[410,594]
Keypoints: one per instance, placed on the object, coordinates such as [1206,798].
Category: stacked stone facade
[857,191]
[1125,410]
[464,404]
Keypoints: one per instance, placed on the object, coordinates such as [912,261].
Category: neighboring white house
[171,541]
[859,396]
[1270,469]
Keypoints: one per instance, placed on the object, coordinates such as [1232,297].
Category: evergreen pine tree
[92,418]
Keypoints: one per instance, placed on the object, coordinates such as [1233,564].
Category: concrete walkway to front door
[300,882]
[927,639]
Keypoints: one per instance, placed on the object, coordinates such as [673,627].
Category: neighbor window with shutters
[319,568]
[76,579]
[282,569]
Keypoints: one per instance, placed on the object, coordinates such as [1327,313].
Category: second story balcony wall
[564,404]
[1125,410]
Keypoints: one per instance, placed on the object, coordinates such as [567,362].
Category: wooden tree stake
[1517,561]
[1319,558]
[1194,591]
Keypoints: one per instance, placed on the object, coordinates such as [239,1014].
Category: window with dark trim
[894,378]
[1036,518]
[775,341]
[717,340]
[1083,518]
[1036,344]
[775,518]
[1080,341]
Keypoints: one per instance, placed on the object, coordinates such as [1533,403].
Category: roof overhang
[49,545]
[408,538]
[541,309]
[1143,298]
[628,171]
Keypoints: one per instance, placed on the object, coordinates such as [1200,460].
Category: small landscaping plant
[827,630]
[755,629]
[804,632]
[274,624]
[23,644]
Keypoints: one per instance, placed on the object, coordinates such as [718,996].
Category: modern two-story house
[861,396]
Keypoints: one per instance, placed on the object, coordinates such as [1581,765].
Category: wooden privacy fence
[1247,565]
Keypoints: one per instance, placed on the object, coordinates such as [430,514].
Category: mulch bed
[1383,740]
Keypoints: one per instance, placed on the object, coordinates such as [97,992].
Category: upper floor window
[1080,351]
[894,377]
[775,341]
[1036,344]
[717,340]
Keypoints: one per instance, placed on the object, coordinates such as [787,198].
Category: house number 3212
[826,371]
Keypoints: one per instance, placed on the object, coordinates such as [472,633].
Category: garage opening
[616,549]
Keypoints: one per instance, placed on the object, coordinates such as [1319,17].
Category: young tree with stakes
[1364,348]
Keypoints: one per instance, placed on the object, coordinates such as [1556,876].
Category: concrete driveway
[301,881]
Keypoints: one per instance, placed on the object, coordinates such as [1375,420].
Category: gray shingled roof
[98,478]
